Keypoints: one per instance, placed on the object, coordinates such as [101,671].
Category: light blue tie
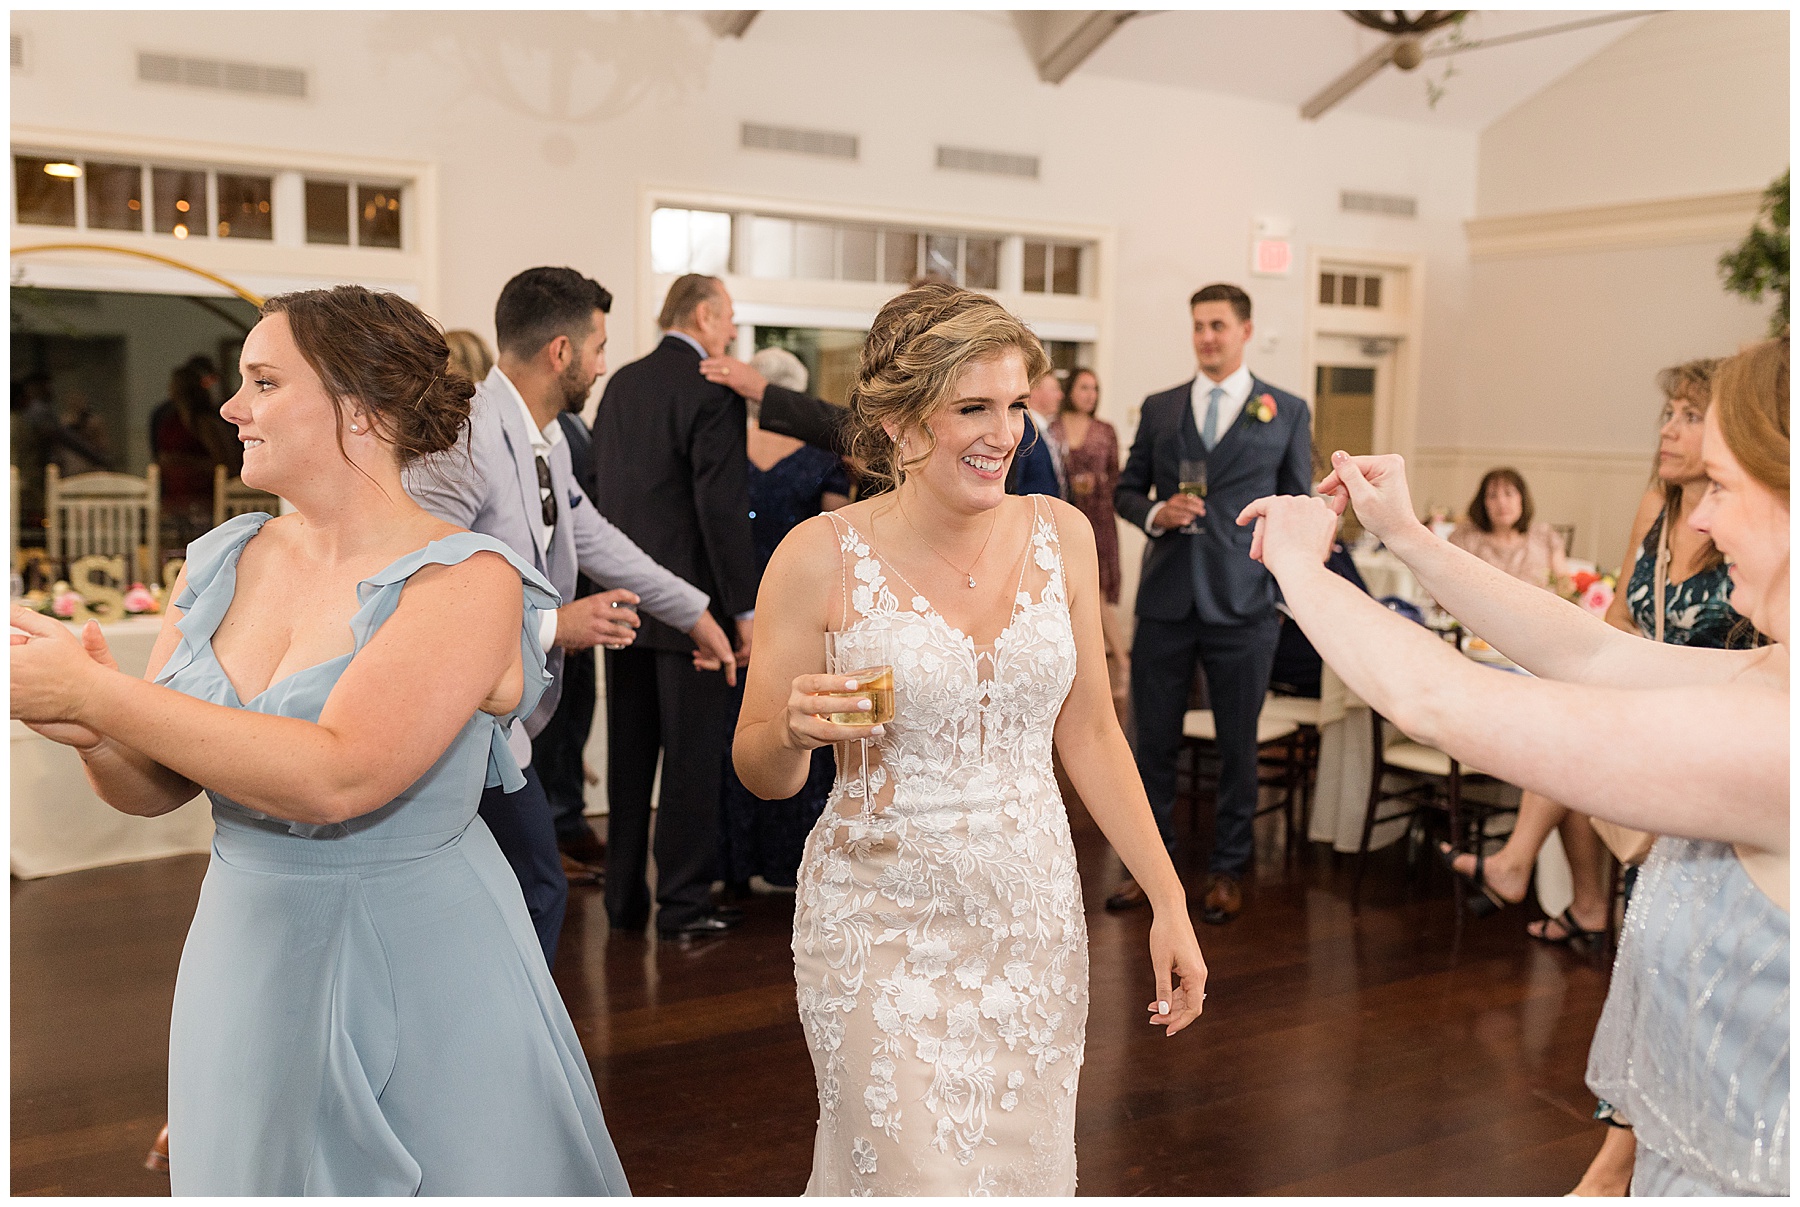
[1209,435]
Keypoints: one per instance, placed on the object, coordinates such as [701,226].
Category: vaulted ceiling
[1472,72]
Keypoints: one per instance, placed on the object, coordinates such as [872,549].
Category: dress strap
[844,532]
[209,586]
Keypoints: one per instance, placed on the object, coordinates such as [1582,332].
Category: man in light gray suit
[510,478]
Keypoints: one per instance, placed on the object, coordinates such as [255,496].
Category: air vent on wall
[828,143]
[1378,203]
[224,76]
[995,163]
[18,51]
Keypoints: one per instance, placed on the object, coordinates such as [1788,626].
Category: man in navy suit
[1036,467]
[1200,597]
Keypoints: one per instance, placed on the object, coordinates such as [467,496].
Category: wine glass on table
[865,656]
[1191,480]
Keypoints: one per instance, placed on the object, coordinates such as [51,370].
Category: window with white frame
[771,246]
[216,201]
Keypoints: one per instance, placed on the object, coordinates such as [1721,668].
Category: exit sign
[1271,257]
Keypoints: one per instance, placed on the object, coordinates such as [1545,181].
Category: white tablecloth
[1384,575]
[59,825]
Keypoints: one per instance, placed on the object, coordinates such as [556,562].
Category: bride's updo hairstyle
[381,350]
[920,343]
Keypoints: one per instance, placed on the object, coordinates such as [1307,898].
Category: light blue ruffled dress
[363,1008]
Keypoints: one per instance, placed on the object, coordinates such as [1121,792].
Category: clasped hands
[52,671]
[1298,530]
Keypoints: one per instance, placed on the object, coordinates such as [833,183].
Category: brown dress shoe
[1224,899]
[583,847]
[157,1161]
[1128,896]
[580,875]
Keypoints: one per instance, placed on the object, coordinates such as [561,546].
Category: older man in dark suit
[672,471]
[1200,597]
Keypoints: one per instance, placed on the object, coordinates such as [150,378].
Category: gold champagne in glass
[1191,480]
[874,684]
[866,657]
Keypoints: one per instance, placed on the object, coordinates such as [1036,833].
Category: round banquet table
[59,825]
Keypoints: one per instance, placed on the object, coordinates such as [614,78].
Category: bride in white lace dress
[939,942]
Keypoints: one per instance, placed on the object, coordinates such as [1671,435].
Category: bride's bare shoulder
[808,554]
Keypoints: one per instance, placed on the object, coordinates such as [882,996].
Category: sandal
[1485,899]
[1574,934]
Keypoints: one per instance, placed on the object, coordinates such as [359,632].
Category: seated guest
[790,481]
[1501,533]
[1298,670]
[1691,744]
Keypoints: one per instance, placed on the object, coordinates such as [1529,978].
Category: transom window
[1349,289]
[191,201]
[782,247]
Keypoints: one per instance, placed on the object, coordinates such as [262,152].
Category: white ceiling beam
[1350,81]
[1061,40]
[729,24]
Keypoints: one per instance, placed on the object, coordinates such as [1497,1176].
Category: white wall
[1605,203]
[532,175]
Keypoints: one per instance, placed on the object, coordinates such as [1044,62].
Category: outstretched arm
[1550,637]
[1706,761]
[1098,762]
[392,714]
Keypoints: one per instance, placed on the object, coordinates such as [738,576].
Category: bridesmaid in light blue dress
[362,1006]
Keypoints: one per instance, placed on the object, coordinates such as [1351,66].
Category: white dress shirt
[542,441]
[1237,386]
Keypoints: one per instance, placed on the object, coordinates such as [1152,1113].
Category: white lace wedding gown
[939,944]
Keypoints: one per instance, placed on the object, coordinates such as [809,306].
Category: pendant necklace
[970,572]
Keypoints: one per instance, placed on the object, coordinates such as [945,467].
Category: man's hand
[741,378]
[712,651]
[1180,511]
[609,619]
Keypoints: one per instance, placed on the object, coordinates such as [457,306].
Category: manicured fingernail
[849,685]
[864,705]
[1337,456]
[1162,1007]
[877,731]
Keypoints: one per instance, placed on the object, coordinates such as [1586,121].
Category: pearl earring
[354,428]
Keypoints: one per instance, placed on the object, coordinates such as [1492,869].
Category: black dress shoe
[583,847]
[705,926]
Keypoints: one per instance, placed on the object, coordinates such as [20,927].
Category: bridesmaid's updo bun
[381,350]
[920,343]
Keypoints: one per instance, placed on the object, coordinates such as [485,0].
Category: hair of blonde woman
[1068,399]
[469,354]
[1750,393]
[918,346]
[783,368]
[684,297]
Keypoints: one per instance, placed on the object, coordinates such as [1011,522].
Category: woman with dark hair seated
[1500,531]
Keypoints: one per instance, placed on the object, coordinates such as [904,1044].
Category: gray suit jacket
[489,484]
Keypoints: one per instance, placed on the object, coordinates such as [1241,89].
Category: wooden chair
[1278,765]
[1436,786]
[1567,533]
[104,514]
[231,497]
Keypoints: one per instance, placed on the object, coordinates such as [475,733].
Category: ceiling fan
[1405,47]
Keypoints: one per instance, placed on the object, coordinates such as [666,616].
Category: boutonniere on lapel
[1264,407]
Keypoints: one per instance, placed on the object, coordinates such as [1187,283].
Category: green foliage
[1760,262]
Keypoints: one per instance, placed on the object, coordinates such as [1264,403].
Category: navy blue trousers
[522,826]
[1237,659]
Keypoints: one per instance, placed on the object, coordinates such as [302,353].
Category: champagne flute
[1191,480]
[865,656]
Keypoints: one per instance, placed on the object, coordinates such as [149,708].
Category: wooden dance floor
[1336,1056]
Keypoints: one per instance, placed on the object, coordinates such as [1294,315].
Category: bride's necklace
[970,572]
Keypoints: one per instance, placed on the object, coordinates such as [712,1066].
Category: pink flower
[139,599]
[64,604]
[1598,597]
[1265,407]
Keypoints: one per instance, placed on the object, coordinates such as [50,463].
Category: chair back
[104,515]
[1566,533]
[231,497]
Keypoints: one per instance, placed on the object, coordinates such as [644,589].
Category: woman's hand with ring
[813,698]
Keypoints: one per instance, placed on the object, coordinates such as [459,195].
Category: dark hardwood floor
[1337,1055]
